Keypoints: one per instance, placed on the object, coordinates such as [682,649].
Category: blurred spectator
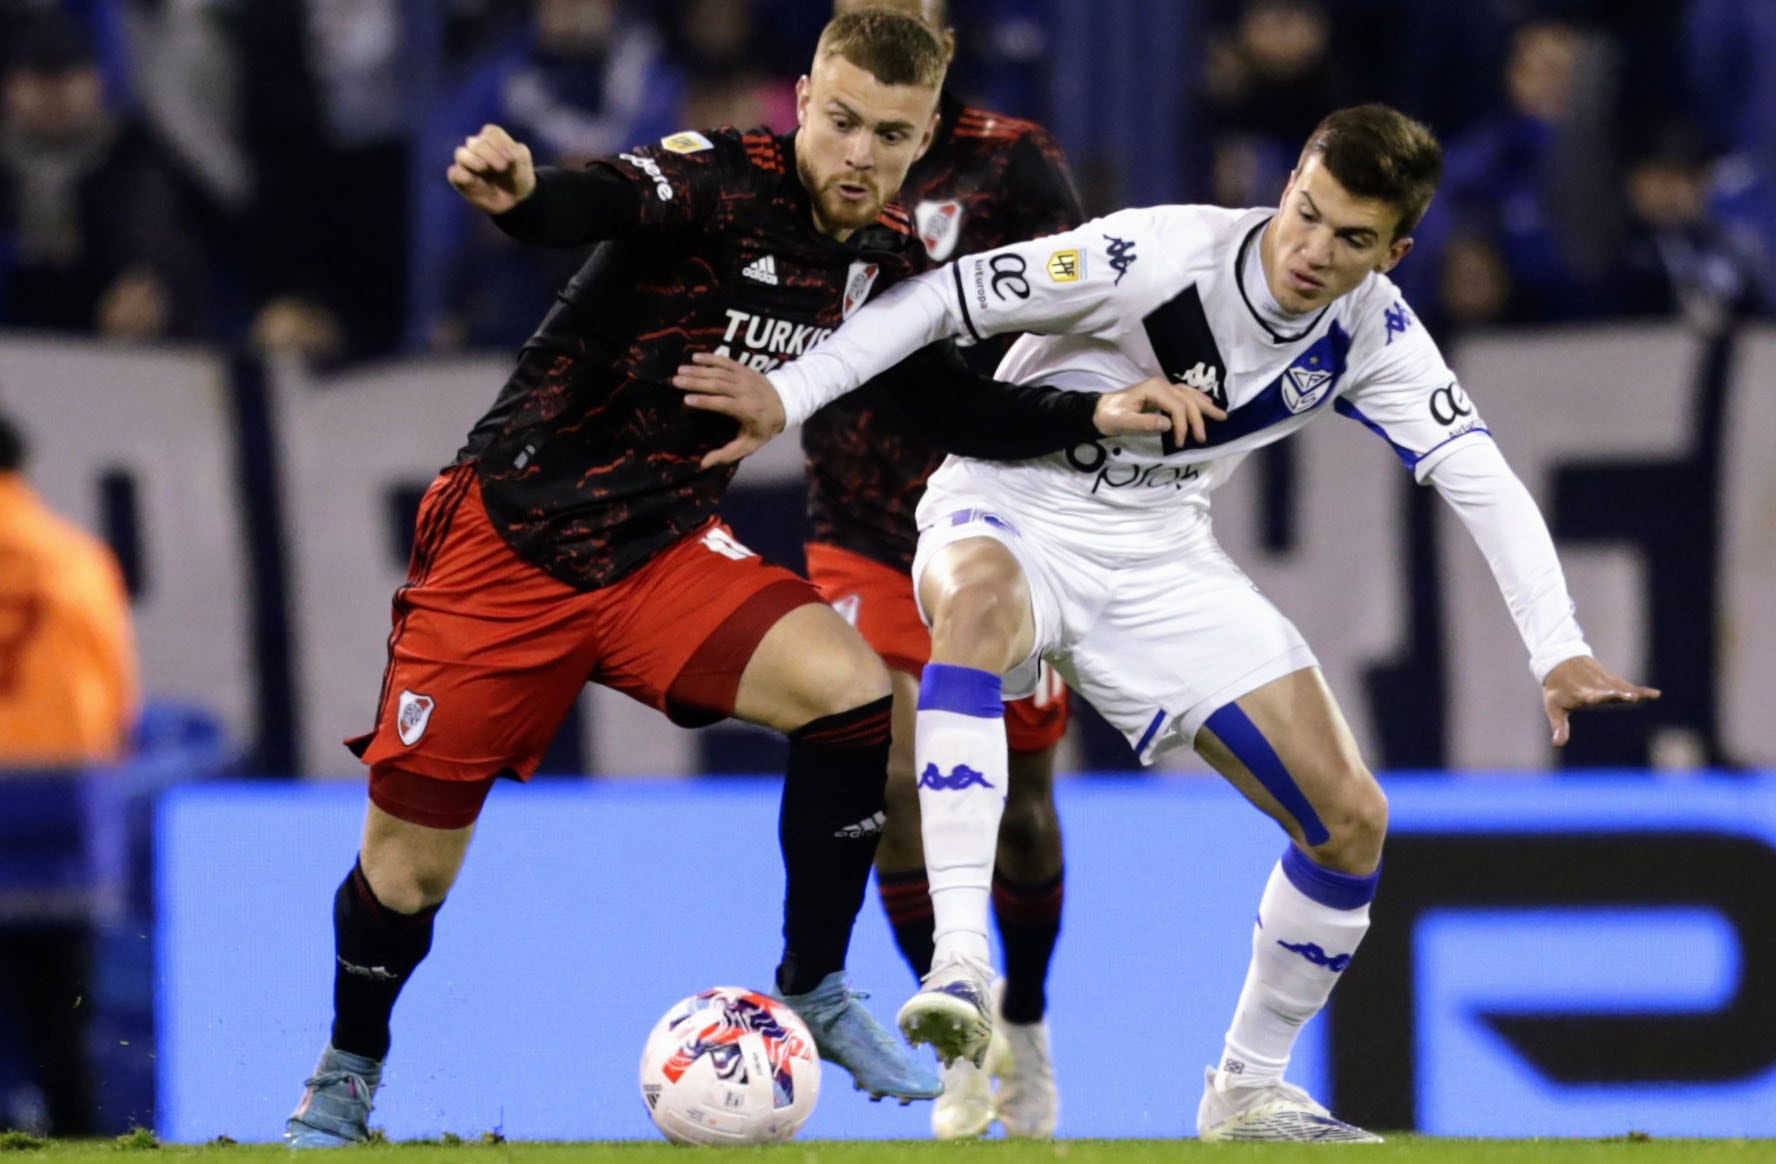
[1677,260]
[1268,80]
[722,83]
[1732,67]
[1742,206]
[67,700]
[326,99]
[594,83]
[93,236]
[1533,184]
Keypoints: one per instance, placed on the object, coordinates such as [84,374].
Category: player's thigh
[1287,748]
[810,664]
[709,629]
[1017,596]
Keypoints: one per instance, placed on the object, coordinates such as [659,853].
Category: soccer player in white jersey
[1102,560]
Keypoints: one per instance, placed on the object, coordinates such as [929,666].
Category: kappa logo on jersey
[688,142]
[960,777]
[1205,378]
[1122,256]
[939,225]
[647,165]
[1398,320]
[1066,266]
[761,270]
[413,713]
[857,286]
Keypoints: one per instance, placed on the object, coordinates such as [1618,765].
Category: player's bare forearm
[1584,682]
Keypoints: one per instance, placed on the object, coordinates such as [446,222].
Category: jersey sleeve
[680,178]
[1403,390]
[1081,282]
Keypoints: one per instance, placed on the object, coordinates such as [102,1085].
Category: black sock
[1029,917]
[834,801]
[375,952]
[906,898]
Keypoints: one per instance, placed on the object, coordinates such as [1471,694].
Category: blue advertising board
[1572,956]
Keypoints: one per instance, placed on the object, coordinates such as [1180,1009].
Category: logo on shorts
[415,712]
[849,607]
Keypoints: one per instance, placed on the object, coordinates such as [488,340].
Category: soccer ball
[730,1066]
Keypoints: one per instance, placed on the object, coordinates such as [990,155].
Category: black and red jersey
[987,180]
[589,458]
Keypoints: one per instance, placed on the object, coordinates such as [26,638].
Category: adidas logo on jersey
[761,270]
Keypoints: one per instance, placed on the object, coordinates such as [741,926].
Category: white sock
[1310,922]
[959,753]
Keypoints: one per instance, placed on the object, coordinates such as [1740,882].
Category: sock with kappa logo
[960,757]
[835,798]
[375,952]
[1310,921]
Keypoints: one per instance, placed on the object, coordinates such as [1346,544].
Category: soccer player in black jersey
[574,539]
[987,180]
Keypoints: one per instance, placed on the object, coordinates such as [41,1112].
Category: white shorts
[1157,644]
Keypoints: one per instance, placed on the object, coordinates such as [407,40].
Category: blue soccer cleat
[335,1110]
[953,1011]
[846,1034]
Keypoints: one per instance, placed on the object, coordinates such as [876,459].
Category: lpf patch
[939,225]
[858,282]
[412,714]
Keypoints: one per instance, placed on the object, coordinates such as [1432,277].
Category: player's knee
[977,623]
[1027,824]
[408,885]
[1357,820]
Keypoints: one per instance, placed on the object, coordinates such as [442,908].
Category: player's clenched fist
[492,171]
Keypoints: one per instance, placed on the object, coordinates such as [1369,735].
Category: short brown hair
[1375,151]
[893,48]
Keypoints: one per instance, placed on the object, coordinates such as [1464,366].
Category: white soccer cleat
[1027,1102]
[965,1109]
[1269,1111]
[953,1011]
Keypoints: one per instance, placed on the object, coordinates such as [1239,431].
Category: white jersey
[1178,292]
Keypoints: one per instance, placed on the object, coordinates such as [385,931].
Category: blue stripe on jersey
[1407,457]
[1242,737]
[1313,377]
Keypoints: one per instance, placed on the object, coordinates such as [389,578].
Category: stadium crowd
[262,173]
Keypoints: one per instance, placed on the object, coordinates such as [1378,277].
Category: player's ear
[948,36]
[930,134]
[1397,250]
[802,91]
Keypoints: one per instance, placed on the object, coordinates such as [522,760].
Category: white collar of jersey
[1248,271]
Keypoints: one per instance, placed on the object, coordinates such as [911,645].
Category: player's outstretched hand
[492,171]
[1156,405]
[1584,682]
[718,384]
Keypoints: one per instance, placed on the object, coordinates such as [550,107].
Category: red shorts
[488,652]
[878,600]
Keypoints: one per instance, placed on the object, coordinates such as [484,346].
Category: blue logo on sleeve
[960,777]
[1399,319]
[1122,256]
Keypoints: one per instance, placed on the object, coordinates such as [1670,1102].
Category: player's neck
[1256,277]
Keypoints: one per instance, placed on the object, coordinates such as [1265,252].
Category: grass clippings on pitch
[490,1148]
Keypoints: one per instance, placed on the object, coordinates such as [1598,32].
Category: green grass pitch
[1632,1149]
